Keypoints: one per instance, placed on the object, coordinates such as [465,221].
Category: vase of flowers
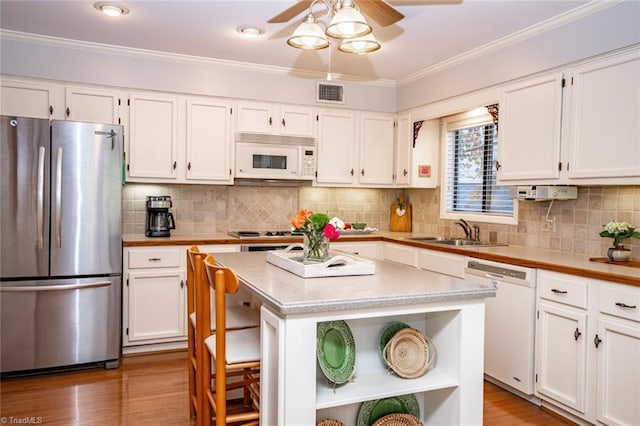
[317,231]
[619,231]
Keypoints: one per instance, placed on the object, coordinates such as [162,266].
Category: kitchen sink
[458,242]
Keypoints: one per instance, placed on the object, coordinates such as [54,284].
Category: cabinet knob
[68,112]
[576,334]
[270,121]
[189,165]
[351,172]
[50,109]
[498,165]
[362,172]
[181,283]
[284,123]
[175,164]
[597,341]
[404,172]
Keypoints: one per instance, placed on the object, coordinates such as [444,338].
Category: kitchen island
[294,390]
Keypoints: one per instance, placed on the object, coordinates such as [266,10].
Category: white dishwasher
[509,321]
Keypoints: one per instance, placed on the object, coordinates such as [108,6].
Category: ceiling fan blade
[380,12]
[291,12]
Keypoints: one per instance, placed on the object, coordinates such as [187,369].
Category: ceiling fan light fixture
[112,10]
[360,45]
[348,22]
[308,35]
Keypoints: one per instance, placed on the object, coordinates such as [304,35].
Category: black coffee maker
[159,219]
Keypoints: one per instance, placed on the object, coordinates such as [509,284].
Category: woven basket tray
[398,419]
[330,422]
[409,353]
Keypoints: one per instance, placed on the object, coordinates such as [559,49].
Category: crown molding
[524,34]
[176,57]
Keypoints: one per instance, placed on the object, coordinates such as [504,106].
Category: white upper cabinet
[376,149]
[153,136]
[92,105]
[578,127]
[27,99]
[275,119]
[336,147]
[402,158]
[530,129]
[208,147]
[603,133]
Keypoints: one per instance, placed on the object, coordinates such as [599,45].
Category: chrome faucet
[476,232]
[465,227]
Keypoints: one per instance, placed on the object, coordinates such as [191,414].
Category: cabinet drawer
[620,300]
[154,258]
[562,289]
[444,263]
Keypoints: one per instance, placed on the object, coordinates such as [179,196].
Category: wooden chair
[238,317]
[234,353]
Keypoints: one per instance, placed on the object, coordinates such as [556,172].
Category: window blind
[470,169]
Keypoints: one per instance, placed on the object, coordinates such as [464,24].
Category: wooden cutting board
[400,223]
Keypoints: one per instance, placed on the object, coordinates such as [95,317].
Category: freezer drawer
[57,323]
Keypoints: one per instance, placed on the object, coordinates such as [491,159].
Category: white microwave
[275,157]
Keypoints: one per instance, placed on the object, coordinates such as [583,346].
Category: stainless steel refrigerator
[61,251]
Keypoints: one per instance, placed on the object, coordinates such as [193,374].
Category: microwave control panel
[308,161]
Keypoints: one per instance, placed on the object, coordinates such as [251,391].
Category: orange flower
[300,219]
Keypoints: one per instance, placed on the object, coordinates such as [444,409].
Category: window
[469,190]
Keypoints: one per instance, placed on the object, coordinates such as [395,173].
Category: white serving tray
[337,265]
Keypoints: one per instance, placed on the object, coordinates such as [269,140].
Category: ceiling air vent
[331,93]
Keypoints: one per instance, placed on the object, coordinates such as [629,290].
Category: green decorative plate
[387,333]
[370,411]
[336,351]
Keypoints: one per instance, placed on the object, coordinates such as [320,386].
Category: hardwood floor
[152,390]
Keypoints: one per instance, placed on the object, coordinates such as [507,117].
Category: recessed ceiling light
[111,9]
[249,31]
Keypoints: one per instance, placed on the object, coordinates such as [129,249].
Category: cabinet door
[336,139]
[153,136]
[376,150]
[255,118]
[605,125]
[296,121]
[156,305]
[94,106]
[27,99]
[402,158]
[618,373]
[208,141]
[530,128]
[561,355]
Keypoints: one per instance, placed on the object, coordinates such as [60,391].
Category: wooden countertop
[516,255]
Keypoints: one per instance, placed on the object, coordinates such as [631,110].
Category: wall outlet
[548,225]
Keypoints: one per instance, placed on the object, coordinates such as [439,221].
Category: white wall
[609,29]
[127,68]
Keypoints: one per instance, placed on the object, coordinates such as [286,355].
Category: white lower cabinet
[367,249]
[399,253]
[588,348]
[442,262]
[154,295]
[450,393]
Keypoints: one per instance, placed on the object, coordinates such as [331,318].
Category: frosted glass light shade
[360,45]
[348,23]
[308,36]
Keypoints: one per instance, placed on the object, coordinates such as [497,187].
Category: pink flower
[331,232]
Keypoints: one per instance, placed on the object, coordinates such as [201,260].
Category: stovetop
[261,234]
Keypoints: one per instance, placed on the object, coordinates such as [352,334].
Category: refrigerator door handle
[57,287]
[58,198]
[40,198]
[110,134]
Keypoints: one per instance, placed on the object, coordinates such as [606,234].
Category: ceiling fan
[379,10]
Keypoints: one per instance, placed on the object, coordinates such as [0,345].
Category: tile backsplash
[257,206]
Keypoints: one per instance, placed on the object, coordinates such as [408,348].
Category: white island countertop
[392,285]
